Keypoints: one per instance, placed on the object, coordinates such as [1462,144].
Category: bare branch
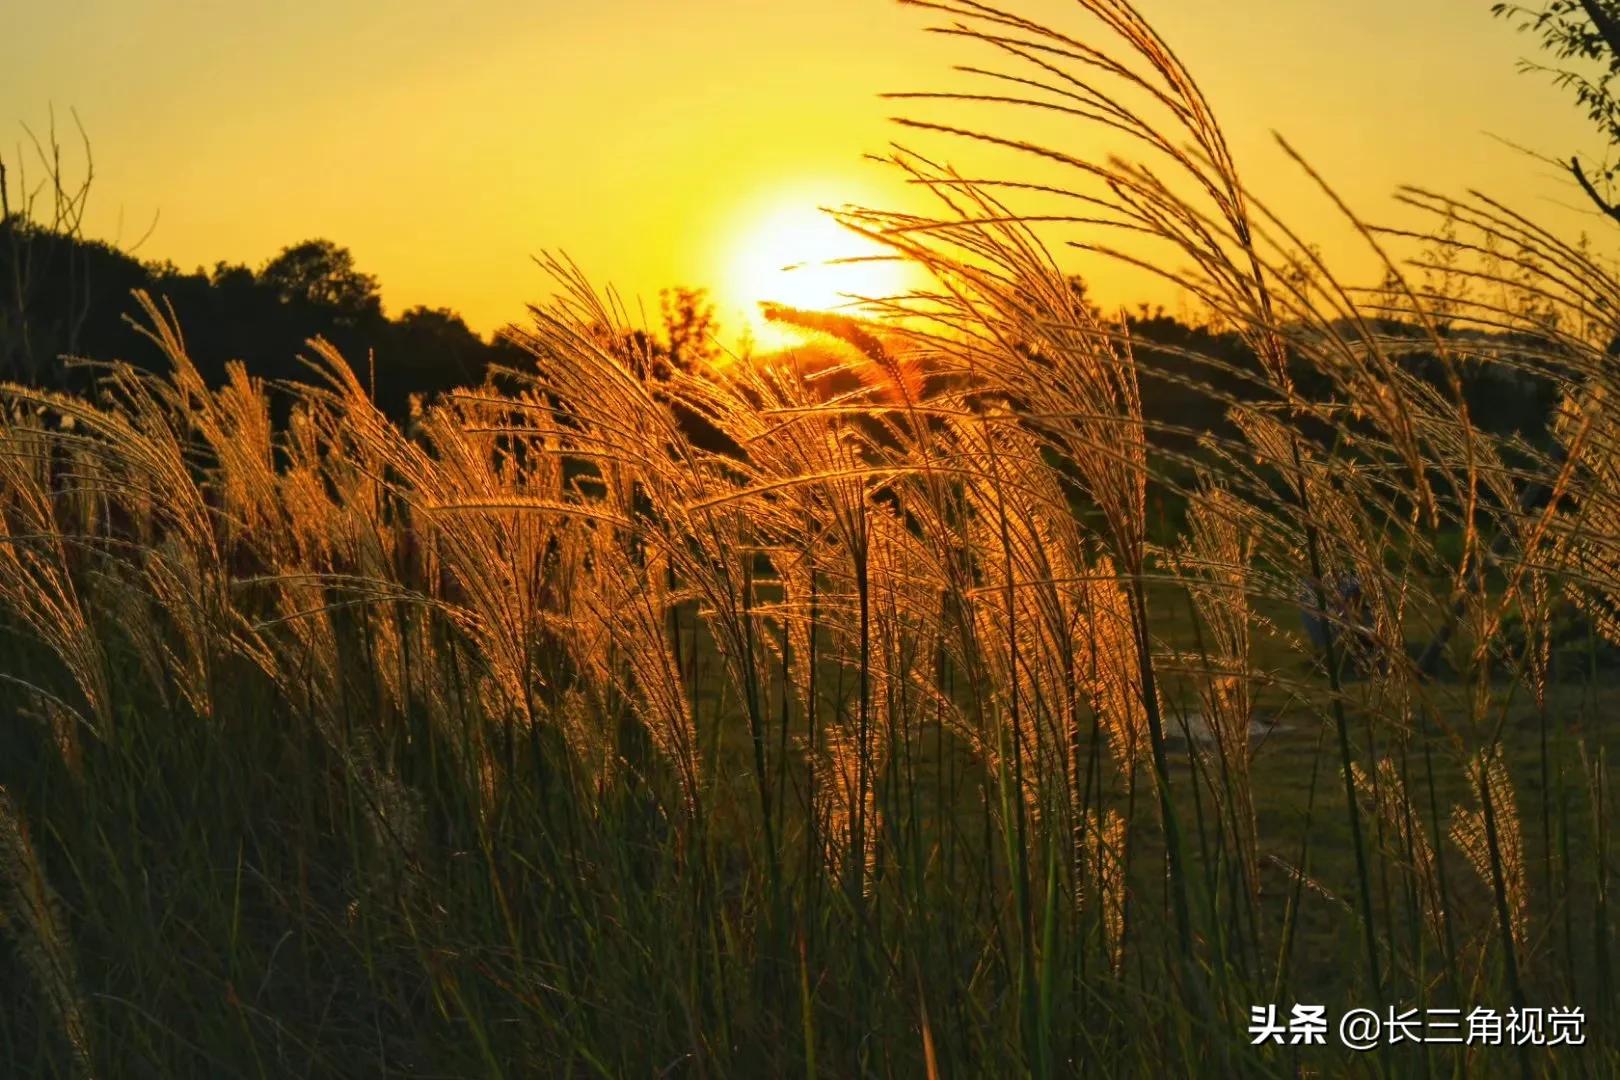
[1591,192]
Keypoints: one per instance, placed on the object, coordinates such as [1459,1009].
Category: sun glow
[795,254]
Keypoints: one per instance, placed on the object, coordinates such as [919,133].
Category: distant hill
[62,296]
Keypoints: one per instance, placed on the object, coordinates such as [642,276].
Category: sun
[791,252]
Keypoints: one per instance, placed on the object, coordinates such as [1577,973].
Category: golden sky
[664,143]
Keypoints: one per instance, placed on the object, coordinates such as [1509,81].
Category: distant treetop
[323,273]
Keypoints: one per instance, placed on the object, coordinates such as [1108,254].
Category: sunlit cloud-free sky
[676,143]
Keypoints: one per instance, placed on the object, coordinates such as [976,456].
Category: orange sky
[660,143]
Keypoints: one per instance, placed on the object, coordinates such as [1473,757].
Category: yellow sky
[655,142]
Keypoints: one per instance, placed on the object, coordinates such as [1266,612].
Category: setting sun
[789,252]
[510,582]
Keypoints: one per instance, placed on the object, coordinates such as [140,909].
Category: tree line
[68,297]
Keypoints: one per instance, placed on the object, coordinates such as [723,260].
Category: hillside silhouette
[67,297]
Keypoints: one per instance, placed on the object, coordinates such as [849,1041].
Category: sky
[661,144]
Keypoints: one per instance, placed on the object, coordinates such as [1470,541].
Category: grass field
[858,710]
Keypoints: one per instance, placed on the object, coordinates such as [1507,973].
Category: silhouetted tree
[232,277]
[428,351]
[1577,33]
[63,295]
[321,273]
[44,257]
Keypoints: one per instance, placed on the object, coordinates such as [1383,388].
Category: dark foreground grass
[231,914]
[844,712]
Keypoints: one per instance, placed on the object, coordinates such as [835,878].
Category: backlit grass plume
[991,685]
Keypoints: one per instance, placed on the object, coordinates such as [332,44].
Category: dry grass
[900,736]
